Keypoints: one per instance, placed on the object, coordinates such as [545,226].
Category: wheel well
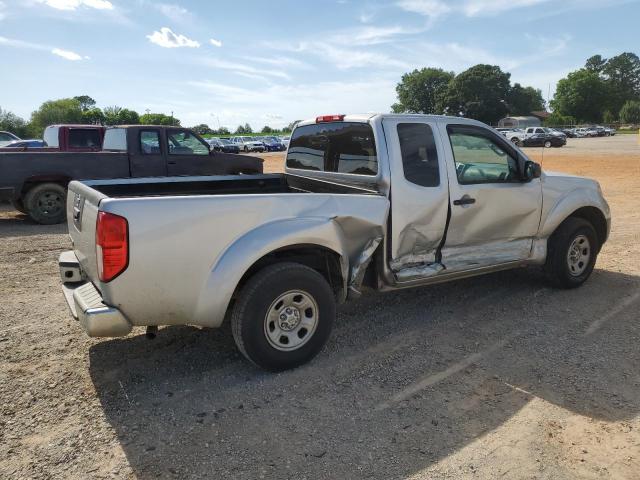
[323,260]
[596,218]
[34,181]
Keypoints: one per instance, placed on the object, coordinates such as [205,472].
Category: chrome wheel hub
[291,320]
[579,255]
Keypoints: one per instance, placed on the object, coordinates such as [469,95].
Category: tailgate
[82,213]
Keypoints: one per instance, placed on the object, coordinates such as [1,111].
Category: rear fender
[243,253]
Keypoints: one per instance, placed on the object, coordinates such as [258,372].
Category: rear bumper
[86,304]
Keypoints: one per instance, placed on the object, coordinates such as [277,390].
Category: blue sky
[220,62]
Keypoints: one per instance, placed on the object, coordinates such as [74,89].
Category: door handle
[465,200]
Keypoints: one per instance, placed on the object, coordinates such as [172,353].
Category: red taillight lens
[112,245]
[329,118]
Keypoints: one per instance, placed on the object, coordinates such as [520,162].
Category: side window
[149,142]
[81,138]
[480,158]
[185,143]
[419,154]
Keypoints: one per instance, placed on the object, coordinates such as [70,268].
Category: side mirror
[532,170]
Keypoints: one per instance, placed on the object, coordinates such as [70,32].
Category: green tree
[422,91]
[86,102]
[558,120]
[524,100]
[609,117]
[267,129]
[202,129]
[159,119]
[480,92]
[222,131]
[240,130]
[582,95]
[11,122]
[115,115]
[93,116]
[630,112]
[622,76]
[595,64]
[64,110]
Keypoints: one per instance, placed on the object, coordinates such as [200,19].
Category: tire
[516,141]
[45,203]
[246,149]
[277,289]
[566,265]
[547,144]
[18,205]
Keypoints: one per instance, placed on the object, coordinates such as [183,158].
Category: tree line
[604,90]
[78,110]
[83,110]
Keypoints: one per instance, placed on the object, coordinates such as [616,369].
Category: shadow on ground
[407,379]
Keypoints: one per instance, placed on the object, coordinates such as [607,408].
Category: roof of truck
[366,117]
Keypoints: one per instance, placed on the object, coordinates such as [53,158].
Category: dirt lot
[495,377]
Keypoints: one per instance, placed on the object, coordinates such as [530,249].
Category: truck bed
[236,185]
[197,226]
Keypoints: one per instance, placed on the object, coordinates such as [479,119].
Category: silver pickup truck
[366,201]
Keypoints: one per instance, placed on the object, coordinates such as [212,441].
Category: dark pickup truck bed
[35,182]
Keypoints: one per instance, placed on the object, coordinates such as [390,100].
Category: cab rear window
[337,147]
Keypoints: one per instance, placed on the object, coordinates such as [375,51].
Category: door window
[150,142]
[481,157]
[183,142]
[419,154]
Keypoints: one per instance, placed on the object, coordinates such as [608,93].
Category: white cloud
[429,8]
[215,43]
[75,4]
[167,39]
[245,70]
[68,54]
[470,8]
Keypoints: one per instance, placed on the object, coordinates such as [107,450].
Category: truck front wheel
[283,316]
[45,203]
[572,252]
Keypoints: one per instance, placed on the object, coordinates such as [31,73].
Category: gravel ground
[498,376]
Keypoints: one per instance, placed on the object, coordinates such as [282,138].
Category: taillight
[329,118]
[112,245]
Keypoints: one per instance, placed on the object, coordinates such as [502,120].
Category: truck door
[145,153]
[419,194]
[188,155]
[494,215]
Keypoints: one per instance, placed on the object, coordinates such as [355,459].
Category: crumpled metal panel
[359,267]
[418,272]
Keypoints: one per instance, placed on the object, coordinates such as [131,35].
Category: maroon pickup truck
[35,180]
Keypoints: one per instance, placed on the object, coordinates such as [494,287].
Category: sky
[270,63]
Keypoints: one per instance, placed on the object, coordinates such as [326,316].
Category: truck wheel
[18,205]
[516,141]
[547,144]
[572,253]
[45,203]
[283,316]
